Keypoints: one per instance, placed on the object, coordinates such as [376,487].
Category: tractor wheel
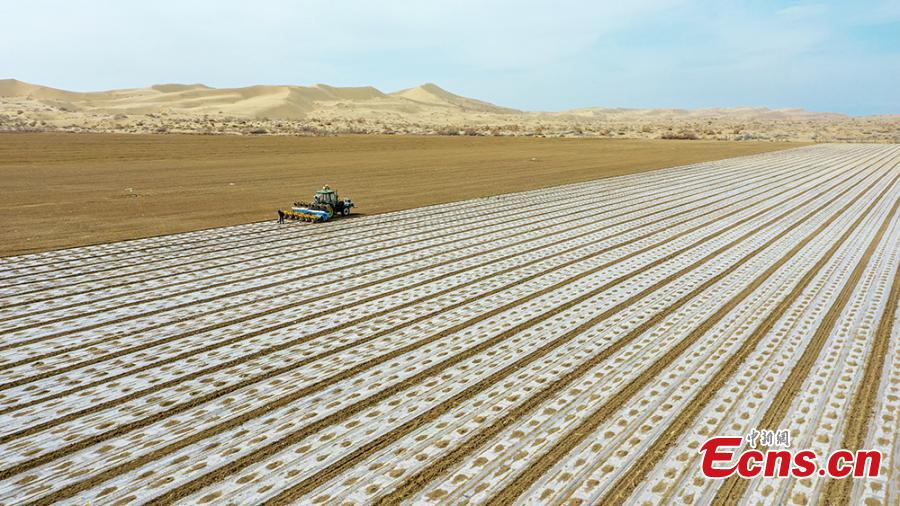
[345,211]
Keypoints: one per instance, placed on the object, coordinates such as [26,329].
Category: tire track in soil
[526,478]
[146,345]
[179,408]
[863,407]
[436,411]
[234,466]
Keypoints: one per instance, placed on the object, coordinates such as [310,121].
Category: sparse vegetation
[413,118]
[680,135]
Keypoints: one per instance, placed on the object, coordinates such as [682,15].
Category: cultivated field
[577,343]
[64,190]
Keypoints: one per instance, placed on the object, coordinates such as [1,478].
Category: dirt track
[549,352]
[63,190]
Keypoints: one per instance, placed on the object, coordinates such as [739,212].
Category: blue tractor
[325,204]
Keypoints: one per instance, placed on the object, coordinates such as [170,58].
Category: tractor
[325,204]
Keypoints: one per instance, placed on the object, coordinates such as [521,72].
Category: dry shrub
[680,135]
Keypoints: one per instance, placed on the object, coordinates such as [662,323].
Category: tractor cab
[326,196]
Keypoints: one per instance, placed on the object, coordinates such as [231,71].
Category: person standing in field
[280,216]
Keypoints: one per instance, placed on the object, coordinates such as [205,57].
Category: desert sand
[423,110]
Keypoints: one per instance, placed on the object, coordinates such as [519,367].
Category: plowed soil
[65,190]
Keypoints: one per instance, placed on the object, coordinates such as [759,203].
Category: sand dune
[432,94]
[260,101]
[428,109]
[14,88]
[750,113]
[293,102]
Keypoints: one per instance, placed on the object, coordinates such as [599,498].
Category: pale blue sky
[534,55]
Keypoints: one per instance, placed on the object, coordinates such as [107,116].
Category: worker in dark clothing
[280,216]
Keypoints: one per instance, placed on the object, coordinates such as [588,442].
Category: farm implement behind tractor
[325,204]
